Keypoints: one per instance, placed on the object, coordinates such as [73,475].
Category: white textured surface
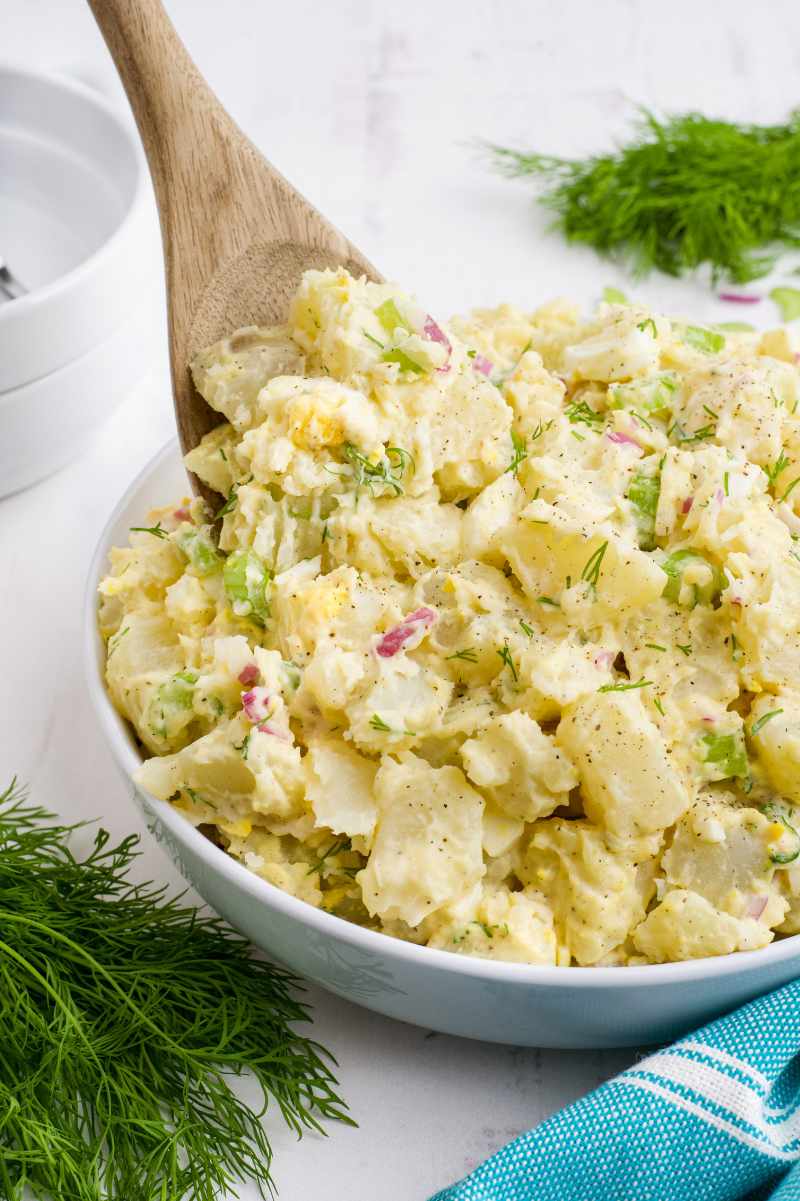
[370,109]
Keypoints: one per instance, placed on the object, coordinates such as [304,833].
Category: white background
[373,110]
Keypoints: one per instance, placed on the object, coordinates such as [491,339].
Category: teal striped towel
[715,1117]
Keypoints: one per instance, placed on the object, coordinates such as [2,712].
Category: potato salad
[494,644]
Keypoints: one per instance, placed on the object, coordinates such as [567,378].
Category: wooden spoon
[237,237]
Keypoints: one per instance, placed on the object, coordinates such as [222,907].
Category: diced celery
[402,359]
[708,340]
[643,493]
[653,394]
[199,548]
[725,754]
[614,296]
[391,318]
[675,566]
[246,581]
[292,675]
[171,708]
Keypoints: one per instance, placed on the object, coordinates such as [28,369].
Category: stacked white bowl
[77,229]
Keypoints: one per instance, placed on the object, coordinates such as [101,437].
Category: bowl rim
[412,955]
[59,81]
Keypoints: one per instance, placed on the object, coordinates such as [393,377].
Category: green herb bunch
[684,191]
[123,1018]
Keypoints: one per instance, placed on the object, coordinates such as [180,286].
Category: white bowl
[47,422]
[76,220]
[476,998]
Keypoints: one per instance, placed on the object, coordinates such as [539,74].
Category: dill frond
[684,191]
[124,1015]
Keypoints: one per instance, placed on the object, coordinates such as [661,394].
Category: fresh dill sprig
[773,470]
[591,568]
[340,844]
[758,726]
[685,190]
[377,723]
[625,686]
[468,655]
[388,472]
[156,530]
[580,411]
[520,453]
[124,1015]
[506,656]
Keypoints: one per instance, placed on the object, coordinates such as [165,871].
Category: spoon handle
[236,235]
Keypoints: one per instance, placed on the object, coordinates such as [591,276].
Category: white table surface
[370,109]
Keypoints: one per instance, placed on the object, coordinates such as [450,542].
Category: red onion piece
[182,514]
[604,659]
[435,333]
[265,728]
[739,298]
[248,675]
[623,439]
[756,906]
[687,504]
[482,364]
[256,704]
[719,496]
[407,635]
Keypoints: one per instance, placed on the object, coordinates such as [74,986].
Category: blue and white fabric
[715,1117]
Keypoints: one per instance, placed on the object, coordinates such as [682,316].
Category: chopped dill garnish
[231,501]
[222,454]
[591,570]
[758,726]
[790,489]
[658,705]
[520,452]
[775,469]
[526,629]
[685,648]
[705,431]
[374,341]
[243,747]
[377,723]
[653,646]
[388,472]
[714,416]
[548,600]
[468,655]
[625,686]
[580,411]
[725,479]
[685,190]
[648,326]
[505,655]
[325,532]
[156,530]
[341,844]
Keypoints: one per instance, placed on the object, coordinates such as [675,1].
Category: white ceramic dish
[47,422]
[498,1002]
[76,222]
